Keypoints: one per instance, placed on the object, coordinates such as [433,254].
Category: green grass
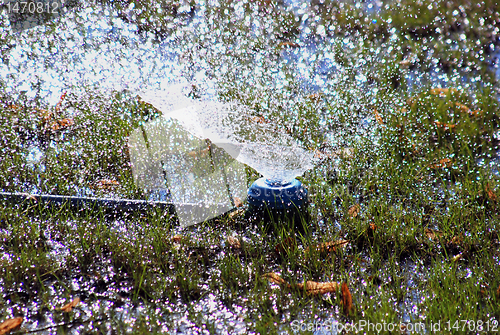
[423,247]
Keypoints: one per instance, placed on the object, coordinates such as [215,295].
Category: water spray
[235,139]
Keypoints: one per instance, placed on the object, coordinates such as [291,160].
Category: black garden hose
[109,205]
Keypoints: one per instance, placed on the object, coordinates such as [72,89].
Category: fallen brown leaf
[491,194]
[446,162]
[346,299]
[237,202]
[58,105]
[45,116]
[315,97]
[354,211]
[433,234]
[476,112]
[443,163]
[198,153]
[467,110]
[318,154]
[315,288]
[106,184]
[234,242]
[457,240]
[378,117]
[344,153]
[69,307]
[259,119]
[311,287]
[176,238]
[415,151]
[445,126]
[14,107]
[61,124]
[405,63]
[305,130]
[326,247]
[9,325]
[238,212]
[442,92]
[288,44]
[274,278]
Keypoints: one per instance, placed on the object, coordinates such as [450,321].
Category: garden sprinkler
[277,195]
[275,200]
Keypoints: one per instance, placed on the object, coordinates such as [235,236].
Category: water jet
[235,139]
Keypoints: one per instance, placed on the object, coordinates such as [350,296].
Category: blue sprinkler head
[277,195]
